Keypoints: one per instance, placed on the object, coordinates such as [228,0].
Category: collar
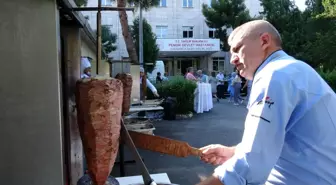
[276,54]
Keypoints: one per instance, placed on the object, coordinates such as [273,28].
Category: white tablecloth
[160,178]
[203,98]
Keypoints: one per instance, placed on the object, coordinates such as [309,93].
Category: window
[161,32]
[212,33]
[188,32]
[187,3]
[106,2]
[163,3]
[218,64]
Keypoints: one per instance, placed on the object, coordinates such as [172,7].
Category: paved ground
[223,125]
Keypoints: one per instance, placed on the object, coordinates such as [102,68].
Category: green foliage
[321,49]
[81,3]
[108,40]
[330,77]
[330,7]
[314,6]
[321,41]
[288,19]
[180,88]
[309,35]
[224,14]
[150,48]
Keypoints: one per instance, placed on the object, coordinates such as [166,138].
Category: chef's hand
[216,154]
[156,94]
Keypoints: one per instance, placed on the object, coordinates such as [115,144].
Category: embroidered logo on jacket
[267,101]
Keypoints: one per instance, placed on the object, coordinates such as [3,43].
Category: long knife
[163,145]
[128,140]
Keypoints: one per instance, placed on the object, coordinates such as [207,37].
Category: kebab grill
[101,102]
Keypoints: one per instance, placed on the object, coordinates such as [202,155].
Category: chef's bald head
[254,29]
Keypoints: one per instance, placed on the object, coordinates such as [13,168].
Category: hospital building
[183,37]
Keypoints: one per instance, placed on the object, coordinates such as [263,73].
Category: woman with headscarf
[85,68]
[144,83]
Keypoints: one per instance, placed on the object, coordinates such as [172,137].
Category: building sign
[188,44]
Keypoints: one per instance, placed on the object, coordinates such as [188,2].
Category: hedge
[180,88]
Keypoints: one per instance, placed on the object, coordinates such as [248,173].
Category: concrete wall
[88,51]
[30,111]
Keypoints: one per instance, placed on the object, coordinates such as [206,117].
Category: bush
[180,88]
[329,77]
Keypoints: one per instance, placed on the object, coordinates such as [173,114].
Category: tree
[81,3]
[146,4]
[108,41]
[150,48]
[290,22]
[309,35]
[330,7]
[315,7]
[322,45]
[225,14]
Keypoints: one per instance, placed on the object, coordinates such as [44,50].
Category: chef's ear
[265,40]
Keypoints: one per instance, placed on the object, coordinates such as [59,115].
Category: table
[148,105]
[203,98]
[160,178]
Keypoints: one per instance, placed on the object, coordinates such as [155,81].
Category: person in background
[190,75]
[144,83]
[247,84]
[220,85]
[85,67]
[213,82]
[202,77]
[165,78]
[205,76]
[237,81]
[230,86]
[158,77]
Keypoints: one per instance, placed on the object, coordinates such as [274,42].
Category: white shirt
[220,77]
[149,85]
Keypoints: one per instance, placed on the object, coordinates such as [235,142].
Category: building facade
[183,37]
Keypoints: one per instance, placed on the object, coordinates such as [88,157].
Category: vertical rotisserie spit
[99,107]
[127,81]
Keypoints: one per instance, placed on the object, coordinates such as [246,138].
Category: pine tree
[150,48]
[108,41]
[223,15]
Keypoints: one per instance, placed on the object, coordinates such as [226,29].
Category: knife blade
[128,141]
[163,145]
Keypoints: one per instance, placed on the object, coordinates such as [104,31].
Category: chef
[144,83]
[85,67]
[290,128]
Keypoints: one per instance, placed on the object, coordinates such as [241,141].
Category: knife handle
[195,151]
